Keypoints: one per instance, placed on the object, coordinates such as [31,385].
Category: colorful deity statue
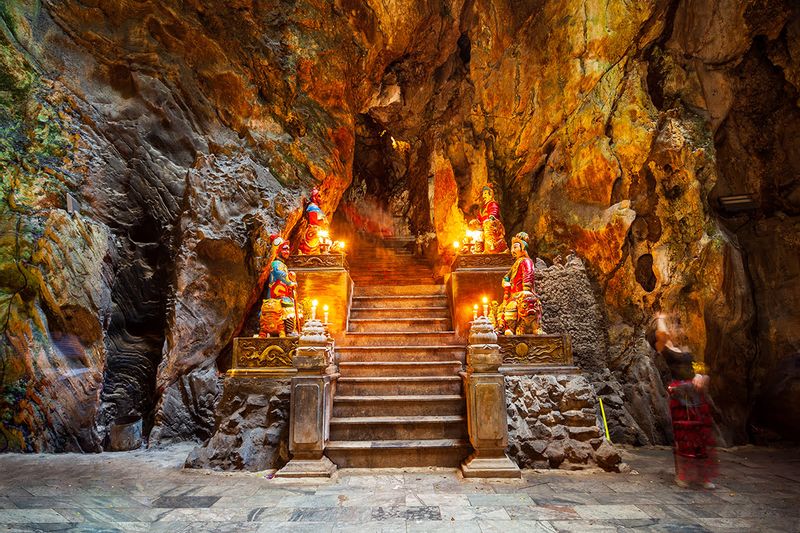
[279,310]
[494,234]
[316,238]
[521,310]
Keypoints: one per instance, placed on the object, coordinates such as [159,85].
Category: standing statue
[494,234]
[521,310]
[315,239]
[279,309]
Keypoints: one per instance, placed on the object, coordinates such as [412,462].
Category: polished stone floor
[759,490]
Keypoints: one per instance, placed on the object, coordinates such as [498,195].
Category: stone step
[393,283]
[398,453]
[401,269]
[400,312]
[456,352]
[397,386]
[400,368]
[407,290]
[395,301]
[398,427]
[398,268]
[385,278]
[403,405]
[397,338]
[396,325]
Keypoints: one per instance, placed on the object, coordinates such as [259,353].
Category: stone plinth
[252,426]
[310,405]
[263,357]
[486,406]
[554,421]
[535,354]
[474,276]
[325,277]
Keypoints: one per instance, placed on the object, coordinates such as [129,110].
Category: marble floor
[758,490]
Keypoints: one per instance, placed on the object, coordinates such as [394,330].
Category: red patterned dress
[695,458]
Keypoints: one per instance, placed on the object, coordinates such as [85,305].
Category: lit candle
[325,312]
[485,306]
[475,312]
[314,304]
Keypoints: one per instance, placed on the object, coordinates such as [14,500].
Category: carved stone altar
[263,357]
[325,277]
[474,276]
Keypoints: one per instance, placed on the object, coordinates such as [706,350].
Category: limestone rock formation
[188,131]
[553,422]
[251,430]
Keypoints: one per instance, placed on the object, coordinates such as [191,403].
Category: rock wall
[633,389]
[553,421]
[188,131]
[252,427]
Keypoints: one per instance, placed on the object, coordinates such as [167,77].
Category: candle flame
[475,235]
[314,303]
[325,307]
[485,300]
[456,245]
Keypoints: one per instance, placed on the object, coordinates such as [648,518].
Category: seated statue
[494,234]
[315,239]
[521,310]
[278,311]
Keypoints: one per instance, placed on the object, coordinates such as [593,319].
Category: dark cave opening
[382,200]
[137,329]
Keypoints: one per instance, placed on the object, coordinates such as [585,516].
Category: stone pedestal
[474,276]
[310,404]
[252,426]
[325,277]
[486,406]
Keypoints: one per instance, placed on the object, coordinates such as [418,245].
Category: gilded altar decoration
[254,353]
[279,314]
[521,310]
[482,261]
[259,357]
[332,261]
[536,350]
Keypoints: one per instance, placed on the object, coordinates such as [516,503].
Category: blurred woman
[695,460]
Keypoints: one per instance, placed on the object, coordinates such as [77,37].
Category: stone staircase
[399,400]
